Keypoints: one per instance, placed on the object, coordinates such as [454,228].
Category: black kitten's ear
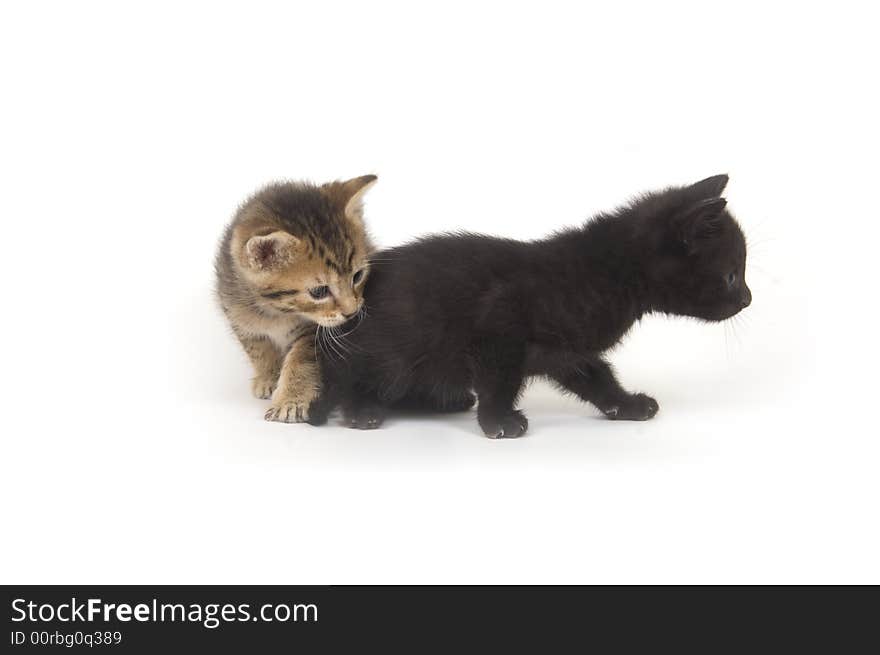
[711,187]
[700,221]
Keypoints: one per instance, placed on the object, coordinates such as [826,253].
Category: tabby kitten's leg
[595,383]
[298,383]
[266,361]
[498,370]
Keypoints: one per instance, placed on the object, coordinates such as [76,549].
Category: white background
[132,451]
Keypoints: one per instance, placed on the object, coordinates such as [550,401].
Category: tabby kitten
[293,261]
[452,314]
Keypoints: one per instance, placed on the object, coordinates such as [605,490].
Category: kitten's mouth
[716,316]
[726,315]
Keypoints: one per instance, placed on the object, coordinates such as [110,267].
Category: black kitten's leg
[457,402]
[445,400]
[363,413]
[498,369]
[319,410]
[334,389]
[594,382]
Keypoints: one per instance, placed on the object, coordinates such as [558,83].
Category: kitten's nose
[746,297]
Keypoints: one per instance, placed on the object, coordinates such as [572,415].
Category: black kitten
[451,315]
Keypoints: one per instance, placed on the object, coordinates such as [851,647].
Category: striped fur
[288,244]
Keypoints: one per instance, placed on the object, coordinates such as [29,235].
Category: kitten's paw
[638,407]
[319,412]
[287,412]
[263,387]
[366,418]
[290,408]
[507,426]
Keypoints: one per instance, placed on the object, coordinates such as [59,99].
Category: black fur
[450,315]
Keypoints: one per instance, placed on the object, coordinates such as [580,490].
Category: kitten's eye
[357,277]
[319,292]
[731,279]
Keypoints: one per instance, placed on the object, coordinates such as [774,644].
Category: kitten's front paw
[319,411]
[507,426]
[638,407]
[287,412]
[290,408]
[263,387]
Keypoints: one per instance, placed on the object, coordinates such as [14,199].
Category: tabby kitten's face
[317,266]
[320,288]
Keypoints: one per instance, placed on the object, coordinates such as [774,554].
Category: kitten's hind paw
[366,418]
[508,426]
[637,407]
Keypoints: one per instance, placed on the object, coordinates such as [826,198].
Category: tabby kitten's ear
[711,187]
[349,194]
[271,251]
[701,221]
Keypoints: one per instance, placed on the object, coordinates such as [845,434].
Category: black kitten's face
[719,288]
[709,281]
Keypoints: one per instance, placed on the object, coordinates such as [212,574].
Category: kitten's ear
[350,194]
[700,221]
[269,252]
[711,187]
